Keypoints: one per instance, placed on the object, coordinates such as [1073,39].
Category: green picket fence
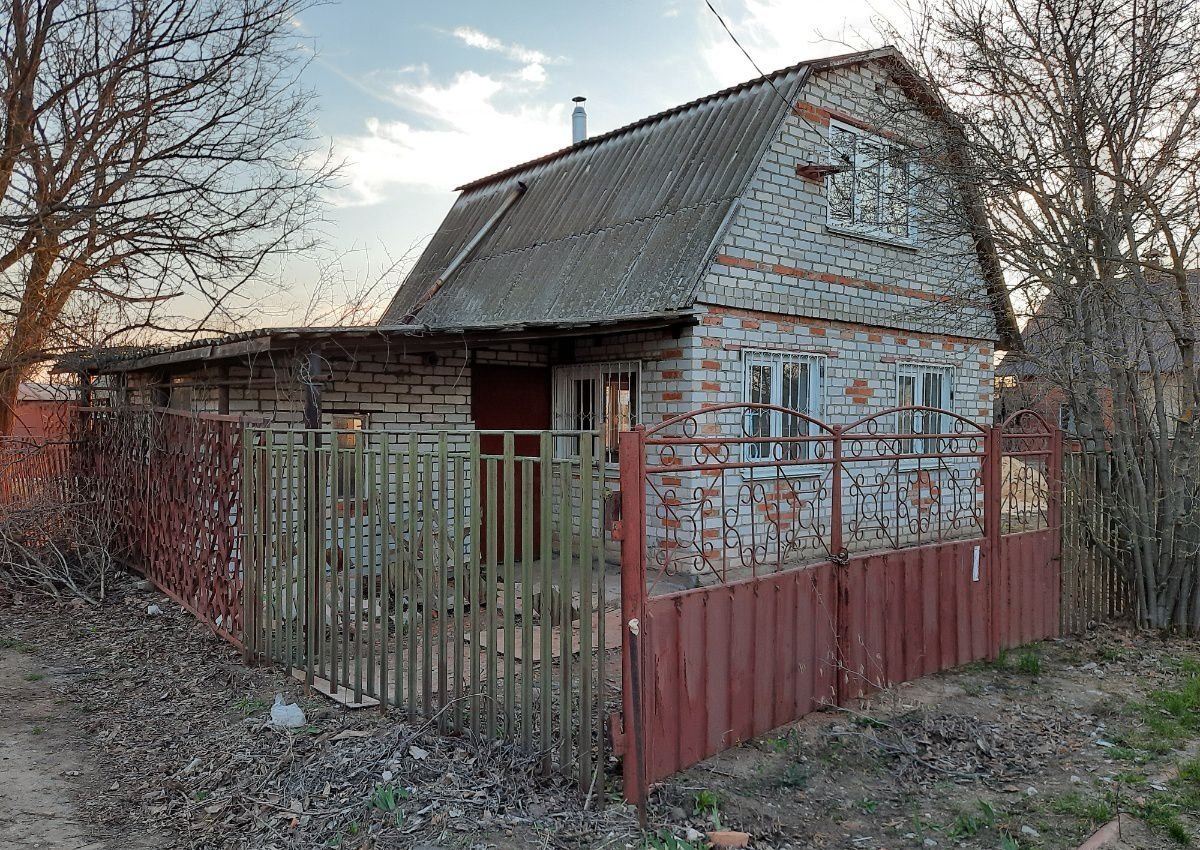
[456,575]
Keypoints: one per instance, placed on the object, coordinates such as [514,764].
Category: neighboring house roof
[620,224]
[31,391]
[1050,347]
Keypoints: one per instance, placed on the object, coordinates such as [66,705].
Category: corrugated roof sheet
[621,224]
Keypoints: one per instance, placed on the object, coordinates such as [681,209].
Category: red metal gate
[773,563]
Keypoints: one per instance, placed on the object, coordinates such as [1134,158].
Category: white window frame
[564,401]
[862,161]
[917,369]
[344,441]
[816,396]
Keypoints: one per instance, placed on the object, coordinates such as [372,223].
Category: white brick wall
[781,256]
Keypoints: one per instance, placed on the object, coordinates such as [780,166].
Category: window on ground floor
[347,475]
[601,397]
[923,385]
[782,379]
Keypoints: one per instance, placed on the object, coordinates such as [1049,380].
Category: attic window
[872,196]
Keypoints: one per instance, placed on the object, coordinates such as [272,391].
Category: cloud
[533,62]
[778,33]
[454,132]
[474,38]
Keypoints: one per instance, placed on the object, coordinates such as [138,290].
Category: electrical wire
[746,53]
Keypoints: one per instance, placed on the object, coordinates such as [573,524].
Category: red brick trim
[768,346]
[825,277]
[822,115]
[902,337]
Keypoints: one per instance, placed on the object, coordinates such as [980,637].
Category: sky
[416,98]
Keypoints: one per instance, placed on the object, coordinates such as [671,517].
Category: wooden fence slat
[442,565]
[548,611]
[509,579]
[488,591]
[457,548]
[412,572]
[427,578]
[566,618]
[587,522]
[527,614]
[474,581]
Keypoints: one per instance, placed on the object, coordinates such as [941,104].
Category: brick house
[746,246]
[1053,359]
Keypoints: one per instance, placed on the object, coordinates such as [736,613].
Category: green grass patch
[1029,662]
[252,705]
[1165,720]
[967,824]
[664,840]
[794,776]
[17,644]
[1093,811]
[1161,813]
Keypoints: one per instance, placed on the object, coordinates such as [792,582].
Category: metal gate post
[632,445]
[993,449]
[839,557]
[1054,516]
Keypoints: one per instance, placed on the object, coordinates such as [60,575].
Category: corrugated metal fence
[833,561]
[458,575]
[771,567]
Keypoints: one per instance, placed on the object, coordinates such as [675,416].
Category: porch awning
[413,338]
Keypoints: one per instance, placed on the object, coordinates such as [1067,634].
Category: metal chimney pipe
[578,121]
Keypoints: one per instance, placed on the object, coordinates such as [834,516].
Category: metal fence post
[992,499]
[839,557]
[248,564]
[632,447]
[1054,515]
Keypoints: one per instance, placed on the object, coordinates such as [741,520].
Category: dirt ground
[125,729]
[146,731]
[44,768]
[1035,750]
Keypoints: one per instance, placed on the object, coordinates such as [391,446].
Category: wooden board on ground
[343,696]
[612,639]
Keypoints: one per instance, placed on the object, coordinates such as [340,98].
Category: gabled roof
[621,224]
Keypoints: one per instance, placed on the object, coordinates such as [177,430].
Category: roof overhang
[250,345]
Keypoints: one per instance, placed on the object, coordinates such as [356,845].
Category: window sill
[906,245]
[801,470]
[930,464]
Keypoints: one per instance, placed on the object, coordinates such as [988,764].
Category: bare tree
[354,293]
[154,154]
[1077,121]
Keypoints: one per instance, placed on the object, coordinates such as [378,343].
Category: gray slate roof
[619,225]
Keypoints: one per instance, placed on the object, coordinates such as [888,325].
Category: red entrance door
[510,398]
